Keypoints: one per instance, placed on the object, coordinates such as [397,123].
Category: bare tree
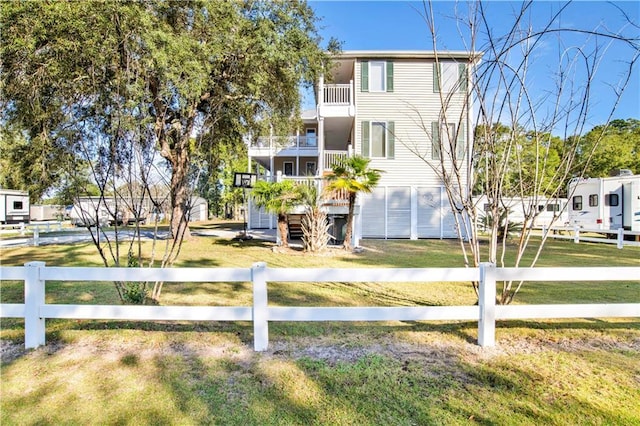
[515,152]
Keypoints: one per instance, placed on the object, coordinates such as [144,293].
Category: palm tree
[352,175]
[277,198]
[315,227]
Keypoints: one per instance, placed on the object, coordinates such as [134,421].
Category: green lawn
[582,371]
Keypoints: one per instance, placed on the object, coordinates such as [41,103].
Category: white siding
[429,212]
[399,212]
[373,214]
[412,106]
[387,213]
[259,219]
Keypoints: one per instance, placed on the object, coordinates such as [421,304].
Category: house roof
[409,54]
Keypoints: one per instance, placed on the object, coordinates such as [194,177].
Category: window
[446,135]
[577,202]
[288,168]
[376,76]
[17,205]
[449,77]
[612,200]
[310,168]
[553,207]
[377,81]
[311,137]
[593,200]
[378,139]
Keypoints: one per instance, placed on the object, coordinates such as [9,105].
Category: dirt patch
[436,353]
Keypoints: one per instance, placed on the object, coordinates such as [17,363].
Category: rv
[14,206]
[89,211]
[606,203]
[541,211]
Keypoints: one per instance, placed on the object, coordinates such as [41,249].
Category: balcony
[284,145]
[337,100]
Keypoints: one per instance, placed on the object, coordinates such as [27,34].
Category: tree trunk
[283,228]
[179,196]
[349,232]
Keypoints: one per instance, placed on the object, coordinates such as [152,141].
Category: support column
[321,146]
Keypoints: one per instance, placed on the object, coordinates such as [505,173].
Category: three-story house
[401,109]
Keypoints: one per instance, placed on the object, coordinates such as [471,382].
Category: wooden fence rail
[35,310]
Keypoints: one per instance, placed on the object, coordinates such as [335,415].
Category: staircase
[295,226]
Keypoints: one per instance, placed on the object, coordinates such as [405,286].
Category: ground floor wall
[410,212]
[406,212]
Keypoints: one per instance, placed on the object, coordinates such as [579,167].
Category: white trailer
[606,203]
[14,206]
[89,211]
[541,211]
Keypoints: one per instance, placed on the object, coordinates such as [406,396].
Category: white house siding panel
[373,213]
[259,219]
[449,227]
[429,212]
[399,212]
[412,106]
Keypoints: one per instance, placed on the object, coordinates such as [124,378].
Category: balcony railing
[284,142]
[332,158]
[337,94]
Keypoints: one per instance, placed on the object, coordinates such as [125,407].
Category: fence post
[22,228]
[576,234]
[36,236]
[260,312]
[620,238]
[34,328]
[487,305]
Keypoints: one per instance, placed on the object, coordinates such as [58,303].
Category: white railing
[285,142]
[35,310]
[337,94]
[576,234]
[333,157]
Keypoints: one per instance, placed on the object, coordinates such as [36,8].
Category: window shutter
[365,139]
[460,142]
[389,76]
[364,76]
[391,140]
[435,140]
[462,77]
[436,77]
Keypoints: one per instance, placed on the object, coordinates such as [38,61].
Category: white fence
[576,234]
[35,227]
[36,274]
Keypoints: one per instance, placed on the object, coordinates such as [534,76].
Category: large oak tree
[179,77]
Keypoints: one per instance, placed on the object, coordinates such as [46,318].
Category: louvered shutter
[365,139]
[364,76]
[460,142]
[435,140]
[462,77]
[389,76]
[436,77]
[391,139]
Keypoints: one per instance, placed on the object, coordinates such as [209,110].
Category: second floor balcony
[336,100]
[272,145]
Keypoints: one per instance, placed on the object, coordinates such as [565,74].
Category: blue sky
[399,25]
